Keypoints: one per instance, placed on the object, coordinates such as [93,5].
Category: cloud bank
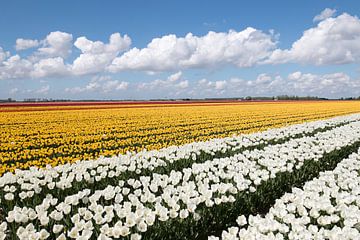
[334,40]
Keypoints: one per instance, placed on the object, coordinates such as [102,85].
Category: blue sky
[176,49]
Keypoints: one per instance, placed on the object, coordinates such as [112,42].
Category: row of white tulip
[134,205]
[327,207]
[25,184]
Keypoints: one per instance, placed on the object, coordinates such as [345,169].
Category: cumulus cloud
[3,55]
[49,67]
[332,41]
[242,49]
[43,90]
[263,78]
[102,84]
[337,84]
[297,83]
[302,84]
[56,44]
[23,44]
[219,85]
[49,59]
[173,82]
[216,85]
[15,67]
[46,61]
[326,13]
[95,55]
[327,84]
[182,85]
[174,77]
[207,88]
[114,85]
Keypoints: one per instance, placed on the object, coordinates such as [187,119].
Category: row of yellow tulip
[36,138]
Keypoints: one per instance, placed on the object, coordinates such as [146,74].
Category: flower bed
[120,197]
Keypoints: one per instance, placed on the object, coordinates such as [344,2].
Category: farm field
[209,170]
[180,120]
[40,135]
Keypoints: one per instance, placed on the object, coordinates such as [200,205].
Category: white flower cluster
[327,207]
[131,206]
[25,184]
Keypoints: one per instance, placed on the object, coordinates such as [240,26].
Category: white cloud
[219,85]
[114,85]
[49,67]
[172,82]
[122,85]
[56,44]
[332,41]
[327,84]
[207,88]
[182,85]
[297,83]
[46,61]
[15,67]
[326,13]
[3,55]
[174,77]
[102,84]
[294,75]
[336,84]
[43,90]
[95,56]
[335,40]
[263,78]
[303,84]
[23,44]
[49,59]
[242,49]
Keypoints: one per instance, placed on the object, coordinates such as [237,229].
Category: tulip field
[209,170]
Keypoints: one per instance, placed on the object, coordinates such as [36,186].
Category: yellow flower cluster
[37,138]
